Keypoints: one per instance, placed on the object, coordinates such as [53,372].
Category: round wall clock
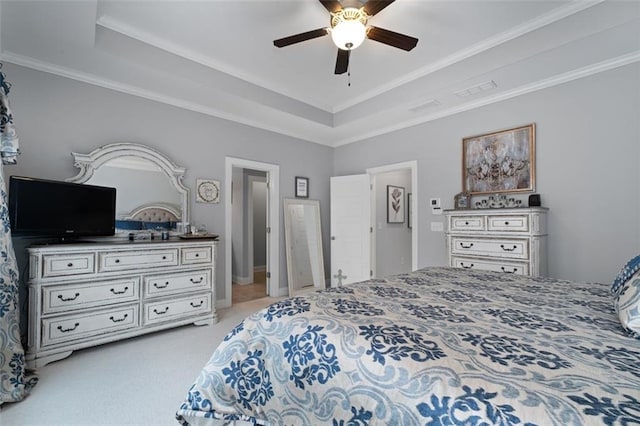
[207,191]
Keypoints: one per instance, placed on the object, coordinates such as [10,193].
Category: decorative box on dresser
[86,294]
[510,240]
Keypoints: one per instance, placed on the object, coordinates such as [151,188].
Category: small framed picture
[395,204]
[302,187]
[462,200]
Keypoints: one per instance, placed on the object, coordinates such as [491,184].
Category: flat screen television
[48,208]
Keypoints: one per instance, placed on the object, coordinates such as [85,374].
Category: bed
[150,216]
[435,347]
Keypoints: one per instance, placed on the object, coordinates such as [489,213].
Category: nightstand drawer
[160,285]
[64,297]
[485,265]
[195,255]
[118,261]
[467,223]
[82,326]
[173,309]
[68,264]
[508,223]
[507,248]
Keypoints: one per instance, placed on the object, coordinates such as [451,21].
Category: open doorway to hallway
[249,242]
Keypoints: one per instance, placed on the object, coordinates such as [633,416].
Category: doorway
[251,231]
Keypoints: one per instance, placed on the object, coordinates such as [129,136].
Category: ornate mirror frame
[89,163]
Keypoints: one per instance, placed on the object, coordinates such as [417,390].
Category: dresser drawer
[195,255]
[487,265]
[118,261]
[467,223]
[60,298]
[68,264]
[158,285]
[508,223]
[82,326]
[173,309]
[507,248]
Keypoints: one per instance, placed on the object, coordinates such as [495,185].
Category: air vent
[421,105]
[474,90]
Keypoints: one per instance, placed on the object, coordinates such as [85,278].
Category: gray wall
[55,116]
[393,240]
[259,192]
[588,174]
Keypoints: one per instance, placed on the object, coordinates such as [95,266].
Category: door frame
[273,222]
[413,167]
[251,180]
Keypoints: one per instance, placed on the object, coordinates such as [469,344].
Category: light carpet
[139,381]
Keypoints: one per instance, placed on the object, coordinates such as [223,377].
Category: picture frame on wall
[301,187]
[502,161]
[207,191]
[395,204]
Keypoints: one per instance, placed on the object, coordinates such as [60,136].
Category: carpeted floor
[139,381]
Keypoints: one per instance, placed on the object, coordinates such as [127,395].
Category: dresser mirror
[149,189]
[303,239]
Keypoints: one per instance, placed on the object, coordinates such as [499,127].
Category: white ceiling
[217,57]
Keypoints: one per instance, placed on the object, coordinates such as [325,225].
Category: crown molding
[95,80]
[119,27]
[556,80]
[569,76]
[515,32]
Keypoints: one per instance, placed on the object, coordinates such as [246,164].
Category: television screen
[41,207]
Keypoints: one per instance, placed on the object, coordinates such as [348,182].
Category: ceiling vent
[425,104]
[474,90]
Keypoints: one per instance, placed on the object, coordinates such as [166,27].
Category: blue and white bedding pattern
[440,346]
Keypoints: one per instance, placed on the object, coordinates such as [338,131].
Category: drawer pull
[196,281]
[509,272]
[197,254]
[508,249]
[68,299]
[166,284]
[69,265]
[465,266]
[196,306]
[164,257]
[466,223]
[117,260]
[119,292]
[66,330]
[119,320]
[506,224]
[466,247]
[166,309]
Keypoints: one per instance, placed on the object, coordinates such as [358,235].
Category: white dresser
[87,294]
[506,240]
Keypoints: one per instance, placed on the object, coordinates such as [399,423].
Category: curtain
[14,382]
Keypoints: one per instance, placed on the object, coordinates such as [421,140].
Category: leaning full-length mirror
[303,238]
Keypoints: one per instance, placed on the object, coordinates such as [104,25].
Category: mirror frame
[89,163]
[287,234]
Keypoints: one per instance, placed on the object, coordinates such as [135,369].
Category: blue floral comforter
[439,346]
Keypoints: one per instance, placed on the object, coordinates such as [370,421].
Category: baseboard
[261,268]
[241,280]
[223,303]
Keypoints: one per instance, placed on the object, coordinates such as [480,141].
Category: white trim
[251,179]
[556,80]
[413,167]
[273,191]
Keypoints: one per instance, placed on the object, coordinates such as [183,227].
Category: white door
[350,229]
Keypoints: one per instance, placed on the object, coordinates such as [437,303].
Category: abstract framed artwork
[502,161]
[395,204]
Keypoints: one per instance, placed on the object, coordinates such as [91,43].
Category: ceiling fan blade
[342,61]
[392,38]
[286,41]
[374,6]
[331,5]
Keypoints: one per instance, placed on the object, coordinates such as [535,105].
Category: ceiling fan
[349,28]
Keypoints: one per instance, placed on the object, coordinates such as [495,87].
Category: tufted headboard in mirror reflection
[147,182]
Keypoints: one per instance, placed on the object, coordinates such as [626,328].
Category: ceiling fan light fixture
[348,28]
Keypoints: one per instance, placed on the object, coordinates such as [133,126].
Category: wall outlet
[437,226]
